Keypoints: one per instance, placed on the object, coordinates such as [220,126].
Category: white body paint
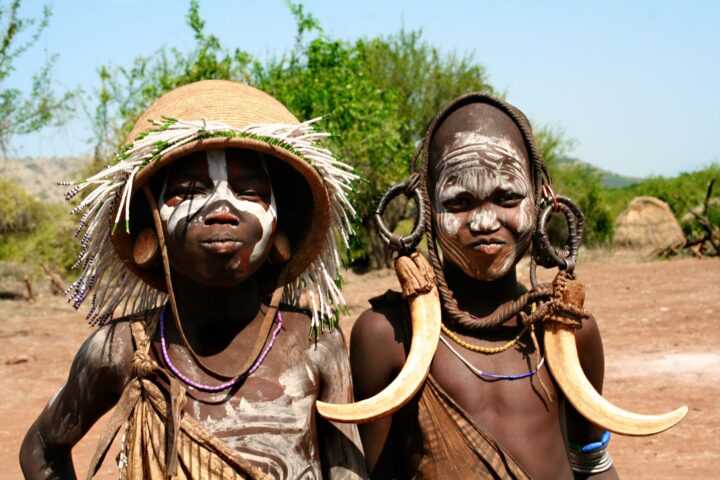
[478,165]
[218,172]
[284,423]
[270,433]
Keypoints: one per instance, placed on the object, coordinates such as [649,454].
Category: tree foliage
[376,94]
[29,229]
[582,185]
[580,182]
[18,210]
[26,113]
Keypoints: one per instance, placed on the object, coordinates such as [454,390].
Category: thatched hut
[648,224]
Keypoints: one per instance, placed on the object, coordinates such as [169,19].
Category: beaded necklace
[493,376]
[478,348]
[222,386]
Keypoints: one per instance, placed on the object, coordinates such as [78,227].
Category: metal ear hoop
[400,243]
[565,257]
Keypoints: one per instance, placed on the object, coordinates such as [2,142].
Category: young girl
[489,408]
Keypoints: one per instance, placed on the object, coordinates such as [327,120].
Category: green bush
[19,212]
[582,184]
[34,232]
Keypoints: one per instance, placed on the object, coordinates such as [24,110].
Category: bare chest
[269,417]
[513,409]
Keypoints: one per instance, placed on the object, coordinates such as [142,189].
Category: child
[205,222]
[489,408]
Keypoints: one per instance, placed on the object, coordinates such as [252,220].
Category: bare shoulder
[588,333]
[108,349]
[323,355]
[98,374]
[300,336]
[381,328]
[377,350]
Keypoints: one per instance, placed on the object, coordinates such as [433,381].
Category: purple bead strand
[222,386]
[493,376]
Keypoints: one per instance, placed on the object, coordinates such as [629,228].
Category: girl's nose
[483,220]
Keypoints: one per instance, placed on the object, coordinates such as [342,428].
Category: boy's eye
[249,193]
[186,192]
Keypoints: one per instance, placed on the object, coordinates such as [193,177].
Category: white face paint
[482,204]
[484,221]
[189,209]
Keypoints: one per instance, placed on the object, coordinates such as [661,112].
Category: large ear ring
[548,255]
[146,249]
[280,252]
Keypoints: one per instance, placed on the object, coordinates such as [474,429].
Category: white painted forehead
[494,146]
[217,162]
[471,149]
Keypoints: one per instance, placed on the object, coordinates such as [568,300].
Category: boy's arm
[97,376]
[376,357]
[580,431]
[340,447]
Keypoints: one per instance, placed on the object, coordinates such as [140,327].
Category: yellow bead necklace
[477,348]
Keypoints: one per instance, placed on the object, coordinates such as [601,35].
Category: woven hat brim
[303,254]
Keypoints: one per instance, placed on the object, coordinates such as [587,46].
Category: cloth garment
[452,445]
[160,442]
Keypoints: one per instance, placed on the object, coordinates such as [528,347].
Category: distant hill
[39,176]
[607,179]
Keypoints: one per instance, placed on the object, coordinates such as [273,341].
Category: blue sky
[636,84]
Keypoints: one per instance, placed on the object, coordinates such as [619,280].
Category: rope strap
[565,306]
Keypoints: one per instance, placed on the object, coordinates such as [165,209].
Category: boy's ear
[146,249]
[281,251]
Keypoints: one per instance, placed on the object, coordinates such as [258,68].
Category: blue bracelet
[592,447]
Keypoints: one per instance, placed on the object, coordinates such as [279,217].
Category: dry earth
[659,322]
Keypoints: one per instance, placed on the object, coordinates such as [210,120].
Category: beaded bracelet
[591,447]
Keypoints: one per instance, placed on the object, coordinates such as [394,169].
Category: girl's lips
[487,248]
[487,245]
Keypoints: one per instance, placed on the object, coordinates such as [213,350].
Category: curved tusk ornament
[562,357]
[417,282]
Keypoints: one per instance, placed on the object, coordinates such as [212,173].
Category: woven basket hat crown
[236,104]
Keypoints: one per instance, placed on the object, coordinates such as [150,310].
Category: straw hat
[214,114]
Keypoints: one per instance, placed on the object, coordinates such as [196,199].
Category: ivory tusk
[562,357]
[426,318]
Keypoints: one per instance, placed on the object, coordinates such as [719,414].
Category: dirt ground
[659,322]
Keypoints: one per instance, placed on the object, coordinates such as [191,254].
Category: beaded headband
[106,208]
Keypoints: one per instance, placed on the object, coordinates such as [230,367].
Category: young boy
[489,407]
[198,230]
